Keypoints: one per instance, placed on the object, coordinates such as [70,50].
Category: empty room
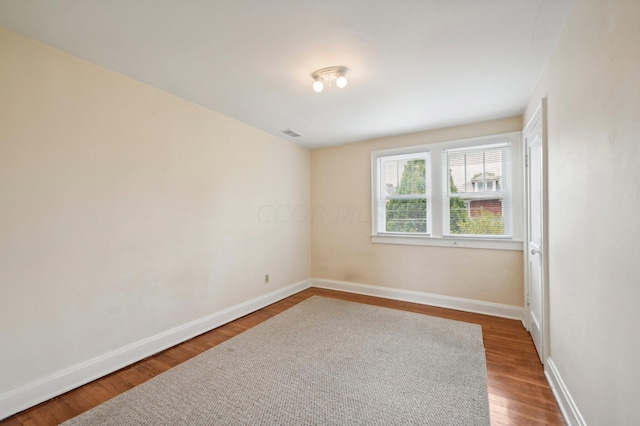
[345,212]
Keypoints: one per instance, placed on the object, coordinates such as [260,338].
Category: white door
[535,255]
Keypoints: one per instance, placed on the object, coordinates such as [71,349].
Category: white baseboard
[457,303]
[31,394]
[569,409]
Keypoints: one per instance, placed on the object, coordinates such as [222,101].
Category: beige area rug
[322,362]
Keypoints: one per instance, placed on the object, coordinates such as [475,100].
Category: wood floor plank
[518,390]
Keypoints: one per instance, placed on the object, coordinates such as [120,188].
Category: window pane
[406,215]
[477,179]
[478,171]
[405,177]
[404,193]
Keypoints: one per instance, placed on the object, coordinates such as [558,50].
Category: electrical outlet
[266,278]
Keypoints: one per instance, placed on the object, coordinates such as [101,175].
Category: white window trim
[438,197]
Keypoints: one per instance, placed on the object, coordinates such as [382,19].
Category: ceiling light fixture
[329,75]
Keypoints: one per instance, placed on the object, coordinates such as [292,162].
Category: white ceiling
[413,64]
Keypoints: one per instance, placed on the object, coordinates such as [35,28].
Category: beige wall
[125,211]
[341,226]
[593,88]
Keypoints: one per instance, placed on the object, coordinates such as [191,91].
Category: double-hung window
[465,193]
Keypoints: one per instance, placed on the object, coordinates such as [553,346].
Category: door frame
[540,114]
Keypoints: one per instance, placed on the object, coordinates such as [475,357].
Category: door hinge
[526,160]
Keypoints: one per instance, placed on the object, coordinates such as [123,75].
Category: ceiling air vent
[291,133]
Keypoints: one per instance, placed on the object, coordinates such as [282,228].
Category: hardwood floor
[518,390]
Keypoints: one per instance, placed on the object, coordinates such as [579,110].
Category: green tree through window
[409,215]
[457,209]
[484,222]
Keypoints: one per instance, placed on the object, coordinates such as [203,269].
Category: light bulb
[318,86]
[341,82]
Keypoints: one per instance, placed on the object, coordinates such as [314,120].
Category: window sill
[415,240]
